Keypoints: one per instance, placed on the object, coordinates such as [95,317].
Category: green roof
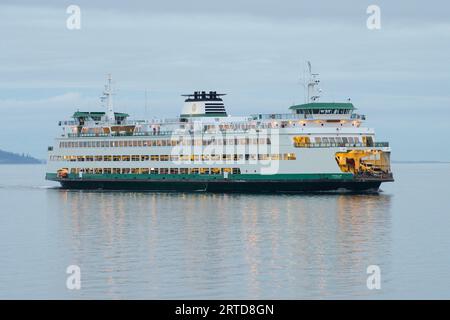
[84,114]
[324,105]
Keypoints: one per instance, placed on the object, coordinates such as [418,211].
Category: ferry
[313,147]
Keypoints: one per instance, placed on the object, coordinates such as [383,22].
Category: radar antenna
[107,97]
[312,93]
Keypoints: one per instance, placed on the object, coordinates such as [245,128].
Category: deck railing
[348,145]
[119,134]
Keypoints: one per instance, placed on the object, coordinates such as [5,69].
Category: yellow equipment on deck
[364,161]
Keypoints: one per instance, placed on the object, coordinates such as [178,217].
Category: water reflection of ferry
[268,247]
[317,146]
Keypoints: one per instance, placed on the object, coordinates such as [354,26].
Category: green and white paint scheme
[206,149]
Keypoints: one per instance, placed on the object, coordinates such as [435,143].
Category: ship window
[80,158]
[135,158]
[154,157]
[89,158]
[125,170]
[184,170]
[185,157]
[228,170]
[204,170]
[145,170]
[368,141]
[116,158]
[116,170]
[236,171]
[107,170]
[163,171]
[98,170]
[125,158]
[301,141]
[163,157]
[145,158]
[215,170]
[153,170]
[290,156]
[173,170]
[134,170]
[194,170]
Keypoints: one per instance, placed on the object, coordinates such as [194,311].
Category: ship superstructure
[316,146]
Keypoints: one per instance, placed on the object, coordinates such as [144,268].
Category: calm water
[180,246]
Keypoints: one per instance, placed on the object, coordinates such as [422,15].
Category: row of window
[162,143]
[155,170]
[346,140]
[165,157]
[324,111]
[303,141]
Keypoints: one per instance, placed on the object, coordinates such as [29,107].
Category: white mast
[107,96]
[312,93]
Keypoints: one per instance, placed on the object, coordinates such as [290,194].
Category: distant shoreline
[15,158]
[21,163]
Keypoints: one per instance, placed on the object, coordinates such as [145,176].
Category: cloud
[252,50]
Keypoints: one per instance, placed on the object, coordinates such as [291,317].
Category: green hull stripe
[207,177]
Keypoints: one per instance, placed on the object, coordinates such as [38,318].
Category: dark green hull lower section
[279,183]
[224,186]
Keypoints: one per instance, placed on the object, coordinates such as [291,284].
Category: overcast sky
[399,76]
